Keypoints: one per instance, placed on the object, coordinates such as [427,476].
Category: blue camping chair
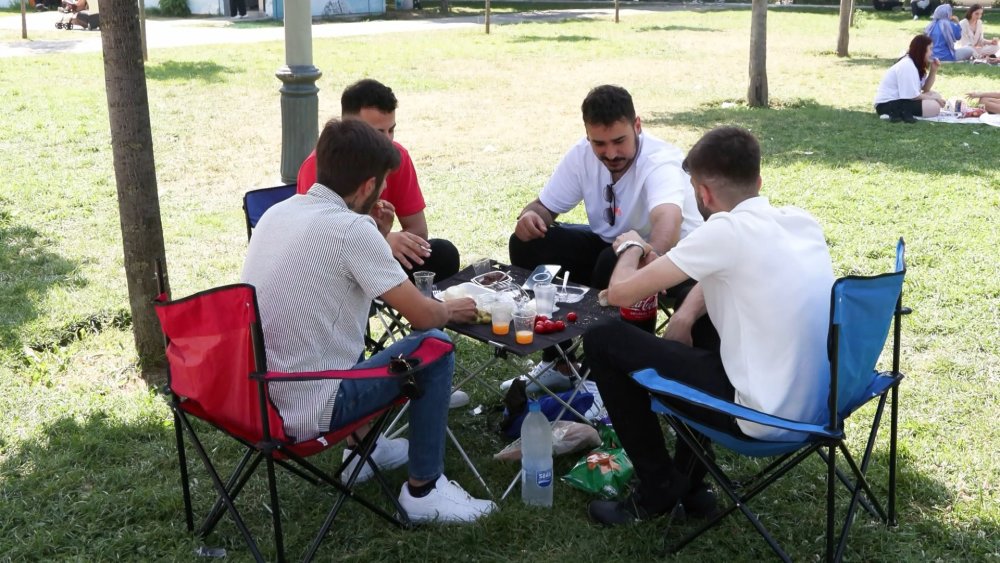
[861,311]
[256,202]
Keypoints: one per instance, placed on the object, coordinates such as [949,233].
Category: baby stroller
[82,19]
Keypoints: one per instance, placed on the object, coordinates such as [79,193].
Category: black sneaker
[895,118]
[700,502]
[628,511]
[908,118]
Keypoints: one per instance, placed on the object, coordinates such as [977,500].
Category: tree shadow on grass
[557,38]
[27,270]
[675,28]
[806,132]
[187,70]
[794,511]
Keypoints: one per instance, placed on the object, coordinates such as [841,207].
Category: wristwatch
[628,244]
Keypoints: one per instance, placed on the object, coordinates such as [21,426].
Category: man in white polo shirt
[764,279]
[317,260]
[627,181]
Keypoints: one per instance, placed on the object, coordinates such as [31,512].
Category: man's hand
[631,235]
[384,213]
[408,249]
[530,226]
[679,330]
[461,310]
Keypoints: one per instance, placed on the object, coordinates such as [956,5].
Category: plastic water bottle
[536,458]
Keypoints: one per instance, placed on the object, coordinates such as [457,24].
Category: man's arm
[629,283]
[425,313]
[534,221]
[665,220]
[679,327]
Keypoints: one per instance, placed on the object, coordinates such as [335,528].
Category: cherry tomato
[541,318]
[550,326]
[560,326]
[540,327]
[571,317]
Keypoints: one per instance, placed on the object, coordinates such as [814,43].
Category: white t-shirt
[653,179]
[767,276]
[316,266]
[901,82]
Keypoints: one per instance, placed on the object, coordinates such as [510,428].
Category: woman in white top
[972,33]
[905,90]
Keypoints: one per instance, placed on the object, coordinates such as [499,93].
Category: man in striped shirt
[317,260]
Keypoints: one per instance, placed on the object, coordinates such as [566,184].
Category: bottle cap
[534,406]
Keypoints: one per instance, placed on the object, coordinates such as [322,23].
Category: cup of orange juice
[524,326]
[503,312]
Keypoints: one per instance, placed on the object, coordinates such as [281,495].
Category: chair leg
[831,473]
[223,493]
[185,480]
[894,417]
[237,480]
[272,485]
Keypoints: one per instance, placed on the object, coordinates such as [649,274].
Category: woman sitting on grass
[989,101]
[943,30]
[905,91]
[972,34]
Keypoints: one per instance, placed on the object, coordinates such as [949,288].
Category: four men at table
[763,276]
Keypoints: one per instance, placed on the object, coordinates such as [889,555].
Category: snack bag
[605,471]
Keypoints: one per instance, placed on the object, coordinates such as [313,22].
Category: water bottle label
[543,478]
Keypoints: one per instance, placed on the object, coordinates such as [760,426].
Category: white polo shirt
[766,274]
[653,179]
[316,266]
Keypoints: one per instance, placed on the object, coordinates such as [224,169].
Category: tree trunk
[24,19]
[843,34]
[135,172]
[757,91]
[445,7]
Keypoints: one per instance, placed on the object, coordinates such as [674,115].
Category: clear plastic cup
[424,281]
[503,313]
[482,266]
[524,326]
[545,298]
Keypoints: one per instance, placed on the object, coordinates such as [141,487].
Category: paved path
[164,32]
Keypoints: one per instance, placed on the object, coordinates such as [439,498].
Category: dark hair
[349,153]
[605,105]
[971,10]
[367,93]
[918,53]
[729,155]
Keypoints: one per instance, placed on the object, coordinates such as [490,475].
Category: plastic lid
[534,406]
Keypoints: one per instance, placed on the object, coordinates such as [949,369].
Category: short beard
[367,205]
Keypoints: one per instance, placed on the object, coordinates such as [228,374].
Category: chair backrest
[861,311]
[211,352]
[256,202]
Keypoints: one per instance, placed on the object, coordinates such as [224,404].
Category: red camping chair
[218,373]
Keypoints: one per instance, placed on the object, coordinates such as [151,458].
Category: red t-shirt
[401,187]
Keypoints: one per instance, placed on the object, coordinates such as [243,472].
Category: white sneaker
[458,399]
[447,502]
[552,378]
[388,454]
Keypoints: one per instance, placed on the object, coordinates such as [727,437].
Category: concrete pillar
[299,100]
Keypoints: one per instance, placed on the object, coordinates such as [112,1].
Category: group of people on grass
[905,91]
[750,326]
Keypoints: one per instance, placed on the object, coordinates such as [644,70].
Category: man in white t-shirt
[627,181]
[764,279]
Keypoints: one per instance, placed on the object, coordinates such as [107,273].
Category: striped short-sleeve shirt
[316,266]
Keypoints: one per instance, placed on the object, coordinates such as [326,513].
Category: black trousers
[237,6]
[443,260]
[615,349]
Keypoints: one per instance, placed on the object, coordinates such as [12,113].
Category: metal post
[299,99]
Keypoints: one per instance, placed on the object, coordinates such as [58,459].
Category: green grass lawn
[87,464]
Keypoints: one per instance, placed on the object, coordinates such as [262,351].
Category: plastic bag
[567,437]
[605,471]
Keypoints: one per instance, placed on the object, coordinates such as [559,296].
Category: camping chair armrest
[378,371]
[659,385]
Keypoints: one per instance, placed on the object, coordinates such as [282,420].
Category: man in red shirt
[375,104]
